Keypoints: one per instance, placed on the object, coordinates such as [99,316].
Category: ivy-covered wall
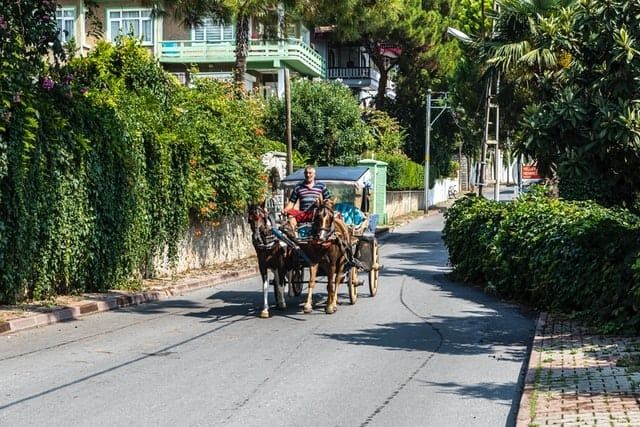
[106,161]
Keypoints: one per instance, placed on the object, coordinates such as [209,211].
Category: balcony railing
[293,52]
[353,73]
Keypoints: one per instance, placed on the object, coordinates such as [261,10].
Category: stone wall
[205,245]
[208,244]
[402,202]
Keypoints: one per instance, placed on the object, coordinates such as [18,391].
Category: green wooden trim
[291,53]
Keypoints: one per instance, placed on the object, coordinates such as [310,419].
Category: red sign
[530,172]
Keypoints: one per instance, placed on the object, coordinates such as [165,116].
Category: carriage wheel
[375,269]
[353,285]
[297,278]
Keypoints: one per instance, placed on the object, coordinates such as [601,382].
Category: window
[65,21]
[213,31]
[136,22]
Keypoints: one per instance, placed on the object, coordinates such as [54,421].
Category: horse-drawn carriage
[334,254]
[349,187]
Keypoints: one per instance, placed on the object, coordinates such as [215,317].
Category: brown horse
[326,249]
[272,255]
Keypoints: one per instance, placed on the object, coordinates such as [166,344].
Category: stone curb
[112,302]
[528,393]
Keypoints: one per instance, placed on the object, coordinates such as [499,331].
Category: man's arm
[288,206]
[293,198]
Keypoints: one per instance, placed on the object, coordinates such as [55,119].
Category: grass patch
[534,394]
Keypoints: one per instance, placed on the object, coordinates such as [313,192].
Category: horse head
[259,222]
[323,227]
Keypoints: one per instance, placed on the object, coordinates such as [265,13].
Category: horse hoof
[282,306]
[330,310]
[264,314]
[307,309]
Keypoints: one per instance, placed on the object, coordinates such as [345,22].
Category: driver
[308,194]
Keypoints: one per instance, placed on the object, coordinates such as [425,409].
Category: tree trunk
[378,59]
[242,50]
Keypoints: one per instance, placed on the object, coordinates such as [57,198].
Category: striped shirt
[307,196]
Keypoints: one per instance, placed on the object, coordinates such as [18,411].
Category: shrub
[101,163]
[471,224]
[402,172]
[568,256]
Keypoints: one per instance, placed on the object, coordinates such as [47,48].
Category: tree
[589,125]
[326,122]
[375,25]
[525,50]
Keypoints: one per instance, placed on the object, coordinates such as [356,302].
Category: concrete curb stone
[104,302]
[527,399]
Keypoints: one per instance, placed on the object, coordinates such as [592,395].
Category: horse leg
[278,287]
[308,306]
[339,277]
[289,276]
[331,308]
[264,273]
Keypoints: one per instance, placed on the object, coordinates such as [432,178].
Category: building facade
[209,47]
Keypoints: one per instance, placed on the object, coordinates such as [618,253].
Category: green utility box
[378,171]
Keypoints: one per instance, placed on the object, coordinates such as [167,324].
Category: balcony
[356,76]
[262,54]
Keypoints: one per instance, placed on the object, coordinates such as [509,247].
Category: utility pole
[435,101]
[427,152]
[492,109]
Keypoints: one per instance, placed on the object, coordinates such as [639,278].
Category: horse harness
[262,237]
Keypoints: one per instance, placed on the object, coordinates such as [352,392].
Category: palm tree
[527,49]
[524,42]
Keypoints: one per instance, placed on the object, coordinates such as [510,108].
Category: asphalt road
[423,352]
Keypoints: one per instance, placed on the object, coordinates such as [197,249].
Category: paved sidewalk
[579,378]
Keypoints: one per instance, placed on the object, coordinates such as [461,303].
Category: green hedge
[103,166]
[402,172]
[560,256]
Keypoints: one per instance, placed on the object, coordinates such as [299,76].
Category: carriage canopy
[356,176]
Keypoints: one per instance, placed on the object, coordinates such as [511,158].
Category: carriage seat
[351,215]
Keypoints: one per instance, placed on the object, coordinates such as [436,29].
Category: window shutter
[228,33]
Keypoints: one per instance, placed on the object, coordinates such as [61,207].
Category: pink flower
[47,83]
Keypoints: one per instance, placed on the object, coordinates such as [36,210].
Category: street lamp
[454,32]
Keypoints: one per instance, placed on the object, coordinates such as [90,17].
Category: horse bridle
[330,231]
[261,233]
